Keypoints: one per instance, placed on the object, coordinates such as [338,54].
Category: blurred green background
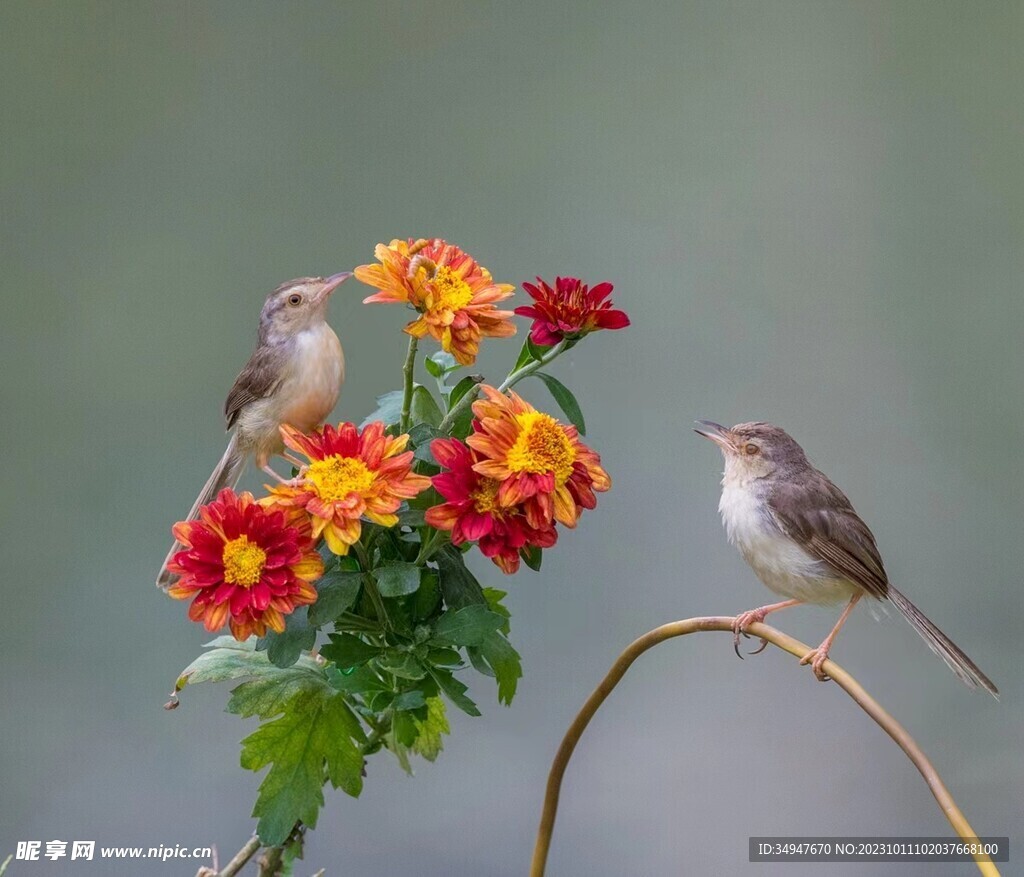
[814,214]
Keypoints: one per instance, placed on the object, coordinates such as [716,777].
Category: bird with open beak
[803,539]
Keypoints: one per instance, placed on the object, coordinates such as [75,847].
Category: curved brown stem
[796,648]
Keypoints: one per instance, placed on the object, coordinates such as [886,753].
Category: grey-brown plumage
[294,376]
[802,537]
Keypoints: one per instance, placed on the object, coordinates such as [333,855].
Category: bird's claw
[739,626]
[817,658]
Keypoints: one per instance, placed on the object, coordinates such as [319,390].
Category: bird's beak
[717,433]
[332,283]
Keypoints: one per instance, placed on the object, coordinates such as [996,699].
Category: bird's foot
[740,624]
[817,658]
[297,481]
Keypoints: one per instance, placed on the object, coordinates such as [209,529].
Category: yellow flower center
[336,477]
[485,497]
[450,292]
[243,562]
[542,446]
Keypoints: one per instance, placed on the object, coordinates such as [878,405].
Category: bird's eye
[294,299]
[751,449]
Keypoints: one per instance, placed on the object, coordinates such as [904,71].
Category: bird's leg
[817,657]
[285,482]
[742,621]
[295,461]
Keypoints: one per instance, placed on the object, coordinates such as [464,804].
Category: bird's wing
[259,378]
[817,515]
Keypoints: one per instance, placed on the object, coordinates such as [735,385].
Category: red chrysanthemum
[473,513]
[245,564]
[570,310]
[538,462]
[454,294]
[350,475]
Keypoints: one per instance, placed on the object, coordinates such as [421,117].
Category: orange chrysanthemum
[350,475]
[244,564]
[539,462]
[472,512]
[454,294]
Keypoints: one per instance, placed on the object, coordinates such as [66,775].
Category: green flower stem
[371,585]
[428,548]
[509,382]
[407,372]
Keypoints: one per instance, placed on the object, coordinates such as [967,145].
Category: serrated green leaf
[494,598]
[505,662]
[409,700]
[458,585]
[479,662]
[468,626]
[428,596]
[401,664]
[429,731]
[444,657]
[454,690]
[420,434]
[283,649]
[348,651]
[397,579]
[228,659]
[266,696]
[359,680]
[565,399]
[424,409]
[337,592]
[389,409]
[315,729]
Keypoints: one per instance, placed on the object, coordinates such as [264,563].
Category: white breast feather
[781,564]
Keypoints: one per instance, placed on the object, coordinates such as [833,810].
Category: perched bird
[294,376]
[803,539]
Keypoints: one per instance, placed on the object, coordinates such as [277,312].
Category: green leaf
[402,664]
[337,592]
[348,651]
[532,556]
[426,454]
[440,363]
[444,657]
[397,579]
[315,729]
[429,731]
[409,517]
[458,585]
[283,649]
[565,399]
[529,352]
[267,696]
[409,700]
[389,409]
[228,659]
[468,626]
[494,597]
[424,409]
[421,434]
[359,680]
[427,597]
[504,660]
[461,388]
[454,690]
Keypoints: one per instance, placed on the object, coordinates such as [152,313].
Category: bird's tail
[942,645]
[225,474]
